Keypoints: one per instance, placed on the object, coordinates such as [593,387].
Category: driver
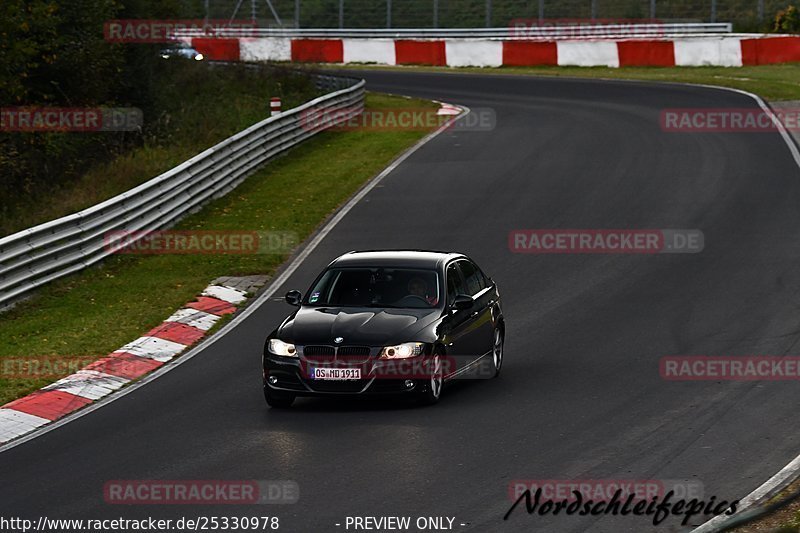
[418,287]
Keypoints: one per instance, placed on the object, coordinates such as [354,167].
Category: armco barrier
[557,30]
[35,256]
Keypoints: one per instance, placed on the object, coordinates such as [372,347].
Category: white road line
[791,471]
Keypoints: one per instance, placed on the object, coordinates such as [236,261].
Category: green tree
[53,53]
[787,20]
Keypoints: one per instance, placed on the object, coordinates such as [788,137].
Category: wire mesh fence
[746,15]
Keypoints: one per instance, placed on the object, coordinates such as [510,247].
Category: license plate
[336,373]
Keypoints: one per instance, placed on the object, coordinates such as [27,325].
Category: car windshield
[376,287]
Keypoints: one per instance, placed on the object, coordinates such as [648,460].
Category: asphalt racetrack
[580,396]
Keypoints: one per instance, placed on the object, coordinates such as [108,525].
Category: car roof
[395,258]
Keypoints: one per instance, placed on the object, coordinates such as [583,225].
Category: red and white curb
[734,50]
[178,332]
[449,110]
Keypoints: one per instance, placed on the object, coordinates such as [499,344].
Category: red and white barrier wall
[726,50]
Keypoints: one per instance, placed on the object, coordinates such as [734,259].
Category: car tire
[497,351]
[278,400]
[432,390]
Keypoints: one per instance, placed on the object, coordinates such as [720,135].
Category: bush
[787,20]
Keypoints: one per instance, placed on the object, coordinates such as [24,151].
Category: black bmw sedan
[387,322]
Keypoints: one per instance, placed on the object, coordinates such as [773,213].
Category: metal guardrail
[520,32]
[38,255]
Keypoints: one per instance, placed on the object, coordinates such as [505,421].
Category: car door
[481,331]
[462,337]
[455,326]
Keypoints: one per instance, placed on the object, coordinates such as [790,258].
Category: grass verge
[88,315]
[773,82]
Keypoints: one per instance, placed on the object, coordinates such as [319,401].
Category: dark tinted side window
[455,285]
[473,277]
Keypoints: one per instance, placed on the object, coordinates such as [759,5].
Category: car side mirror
[462,302]
[294,298]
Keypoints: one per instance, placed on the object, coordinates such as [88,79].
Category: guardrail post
[488,13]
[713,10]
[388,14]
[274,106]
[296,13]
[341,14]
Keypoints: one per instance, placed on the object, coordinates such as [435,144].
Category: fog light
[272,380]
[409,384]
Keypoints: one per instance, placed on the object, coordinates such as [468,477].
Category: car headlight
[402,351]
[278,347]
[199,57]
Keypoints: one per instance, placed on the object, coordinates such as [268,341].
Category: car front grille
[319,350]
[345,354]
[353,351]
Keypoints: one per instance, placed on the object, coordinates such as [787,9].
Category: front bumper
[378,378]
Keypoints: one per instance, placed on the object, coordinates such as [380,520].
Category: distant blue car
[181,50]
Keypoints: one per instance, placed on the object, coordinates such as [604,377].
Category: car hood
[357,325]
